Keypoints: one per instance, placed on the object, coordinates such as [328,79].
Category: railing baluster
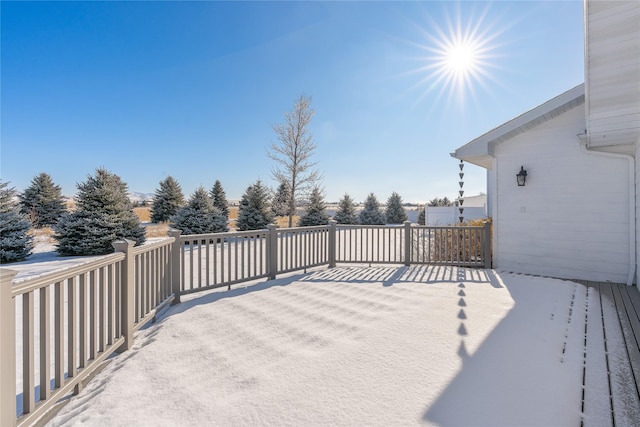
[223,246]
[183,269]
[166,272]
[143,288]
[146,285]
[255,255]
[110,305]
[103,310]
[72,327]
[138,292]
[190,248]
[242,241]
[233,260]
[150,284]
[58,292]
[45,346]
[93,305]
[28,386]
[82,322]
[216,247]
[207,265]
[154,278]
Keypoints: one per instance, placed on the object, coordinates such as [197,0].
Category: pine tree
[42,201]
[422,215]
[439,202]
[199,216]
[395,212]
[280,202]
[15,242]
[167,200]
[219,199]
[316,211]
[346,213]
[255,210]
[104,214]
[371,214]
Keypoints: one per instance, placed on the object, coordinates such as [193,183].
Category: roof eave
[480,150]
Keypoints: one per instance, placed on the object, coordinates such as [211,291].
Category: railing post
[176,268]
[7,349]
[272,258]
[407,243]
[332,243]
[127,286]
[486,241]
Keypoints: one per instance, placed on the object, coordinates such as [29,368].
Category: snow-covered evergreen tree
[280,202]
[42,201]
[167,199]
[15,242]
[199,216]
[255,210]
[219,199]
[371,213]
[346,213]
[439,202]
[103,214]
[422,215]
[395,213]
[316,211]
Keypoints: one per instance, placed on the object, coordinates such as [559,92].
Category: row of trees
[104,213]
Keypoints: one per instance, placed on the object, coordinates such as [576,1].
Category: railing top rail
[188,237]
[153,245]
[361,226]
[32,283]
[303,229]
[447,227]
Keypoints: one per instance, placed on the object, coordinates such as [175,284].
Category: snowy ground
[353,346]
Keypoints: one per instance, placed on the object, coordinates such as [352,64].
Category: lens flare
[460,54]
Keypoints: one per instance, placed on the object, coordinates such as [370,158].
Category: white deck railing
[58,328]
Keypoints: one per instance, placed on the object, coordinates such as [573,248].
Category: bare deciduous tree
[293,150]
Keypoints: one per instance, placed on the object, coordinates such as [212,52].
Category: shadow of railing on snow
[391,274]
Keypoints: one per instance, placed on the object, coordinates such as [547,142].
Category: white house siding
[637,280]
[568,221]
[612,68]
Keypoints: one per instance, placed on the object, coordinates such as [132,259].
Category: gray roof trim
[479,150]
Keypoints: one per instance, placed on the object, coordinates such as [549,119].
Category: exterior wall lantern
[521,177]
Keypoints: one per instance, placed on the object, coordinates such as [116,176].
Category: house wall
[567,221]
[637,278]
[612,67]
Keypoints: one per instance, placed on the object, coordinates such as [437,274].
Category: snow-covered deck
[385,345]
[612,337]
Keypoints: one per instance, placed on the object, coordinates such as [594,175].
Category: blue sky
[192,89]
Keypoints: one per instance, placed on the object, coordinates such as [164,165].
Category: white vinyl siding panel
[637,280]
[612,70]
[570,220]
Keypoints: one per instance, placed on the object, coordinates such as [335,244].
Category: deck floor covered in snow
[612,335]
[372,346]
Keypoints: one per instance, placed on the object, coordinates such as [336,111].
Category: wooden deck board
[629,323]
[611,333]
[624,393]
[597,410]
[633,309]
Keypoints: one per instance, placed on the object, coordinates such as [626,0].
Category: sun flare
[460,55]
[462,58]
